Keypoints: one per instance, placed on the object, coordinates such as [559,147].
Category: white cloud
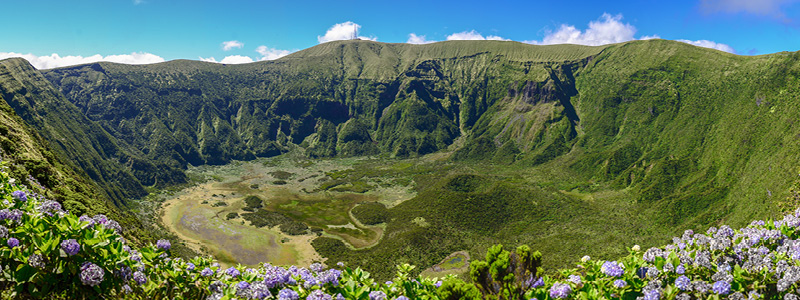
[710,44]
[231,59]
[609,30]
[343,31]
[472,35]
[606,30]
[418,39]
[236,59]
[464,35]
[55,61]
[268,53]
[772,8]
[137,2]
[229,45]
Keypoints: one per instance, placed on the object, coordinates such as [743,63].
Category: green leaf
[24,273]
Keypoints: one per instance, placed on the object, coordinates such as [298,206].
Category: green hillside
[42,166]
[566,148]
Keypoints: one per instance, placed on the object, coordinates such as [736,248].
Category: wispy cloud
[55,60]
[137,2]
[268,53]
[473,35]
[710,44]
[606,30]
[343,31]
[418,39]
[765,8]
[230,45]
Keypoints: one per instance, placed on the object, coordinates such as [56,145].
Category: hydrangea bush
[46,252]
[760,261]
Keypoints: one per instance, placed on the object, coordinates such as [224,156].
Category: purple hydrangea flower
[700,286]
[438,284]
[680,270]
[163,245]
[91,274]
[619,283]
[136,256]
[206,272]
[36,260]
[377,295]
[259,290]
[123,272]
[722,287]
[724,232]
[50,208]
[216,287]
[3,232]
[653,294]
[139,277]
[316,267]
[232,272]
[20,196]
[611,268]
[12,242]
[243,289]
[288,294]
[683,283]
[329,276]
[402,298]
[538,283]
[100,219]
[576,279]
[70,247]
[560,290]
[87,219]
[190,267]
[127,289]
[318,295]
[14,215]
[651,254]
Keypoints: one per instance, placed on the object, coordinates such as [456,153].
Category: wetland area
[271,209]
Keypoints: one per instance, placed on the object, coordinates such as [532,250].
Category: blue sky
[58,33]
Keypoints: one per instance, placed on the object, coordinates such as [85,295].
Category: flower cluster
[761,260]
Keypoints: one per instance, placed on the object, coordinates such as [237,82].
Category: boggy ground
[318,194]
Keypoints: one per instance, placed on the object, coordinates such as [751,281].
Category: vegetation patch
[253,202]
[282,175]
[371,213]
